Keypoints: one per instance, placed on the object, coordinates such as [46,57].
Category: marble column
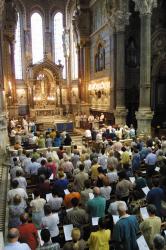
[119,20]
[145,114]
[81,72]
[3,115]
[13,80]
[66,49]
[86,70]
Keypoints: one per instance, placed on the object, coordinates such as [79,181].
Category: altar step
[77,140]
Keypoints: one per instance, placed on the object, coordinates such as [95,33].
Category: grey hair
[159,242]
[122,206]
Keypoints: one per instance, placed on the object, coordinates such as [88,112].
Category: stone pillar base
[3,132]
[144,117]
[120,115]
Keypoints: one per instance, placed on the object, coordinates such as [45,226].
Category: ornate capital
[145,6]
[119,20]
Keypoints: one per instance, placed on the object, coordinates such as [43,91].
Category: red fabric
[29,235]
[53,167]
[43,188]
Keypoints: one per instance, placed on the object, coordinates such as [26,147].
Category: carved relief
[158,50]
[119,20]
[22,96]
[117,13]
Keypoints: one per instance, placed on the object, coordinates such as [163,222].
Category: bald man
[96,206]
[13,243]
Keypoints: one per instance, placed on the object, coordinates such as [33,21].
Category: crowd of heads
[93,181]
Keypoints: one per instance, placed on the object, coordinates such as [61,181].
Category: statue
[66,43]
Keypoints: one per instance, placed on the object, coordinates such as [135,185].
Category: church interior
[82,67]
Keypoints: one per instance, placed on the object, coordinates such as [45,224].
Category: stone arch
[49,65]
[44,81]
[37,8]
[69,11]
[20,7]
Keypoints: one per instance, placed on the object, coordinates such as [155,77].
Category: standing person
[100,240]
[150,161]
[15,210]
[84,121]
[77,216]
[51,165]
[101,119]
[76,243]
[136,160]
[123,187]
[67,140]
[102,160]
[86,193]
[132,132]
[37,206]
[41,142]
[77,121]
[51,222]
[13,243]
[96,206]
[150,226]
[28,232]
[90,121]
[159,242]
[125,230]
[33,170]
[46,238]
[21,180]
[25,125]
[32,126]
[80,178]
[94,169]
[55,202]
[155,196]
[16,190]
[49,141]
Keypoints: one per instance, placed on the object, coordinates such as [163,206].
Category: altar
[39,113]
[45,97]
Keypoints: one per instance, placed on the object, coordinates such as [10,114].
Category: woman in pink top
[52,165]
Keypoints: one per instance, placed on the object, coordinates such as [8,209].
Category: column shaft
[120,112]
[144,115]
[145,69]
[120,70]
[86,72]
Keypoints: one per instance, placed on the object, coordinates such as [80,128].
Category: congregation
[107,194]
